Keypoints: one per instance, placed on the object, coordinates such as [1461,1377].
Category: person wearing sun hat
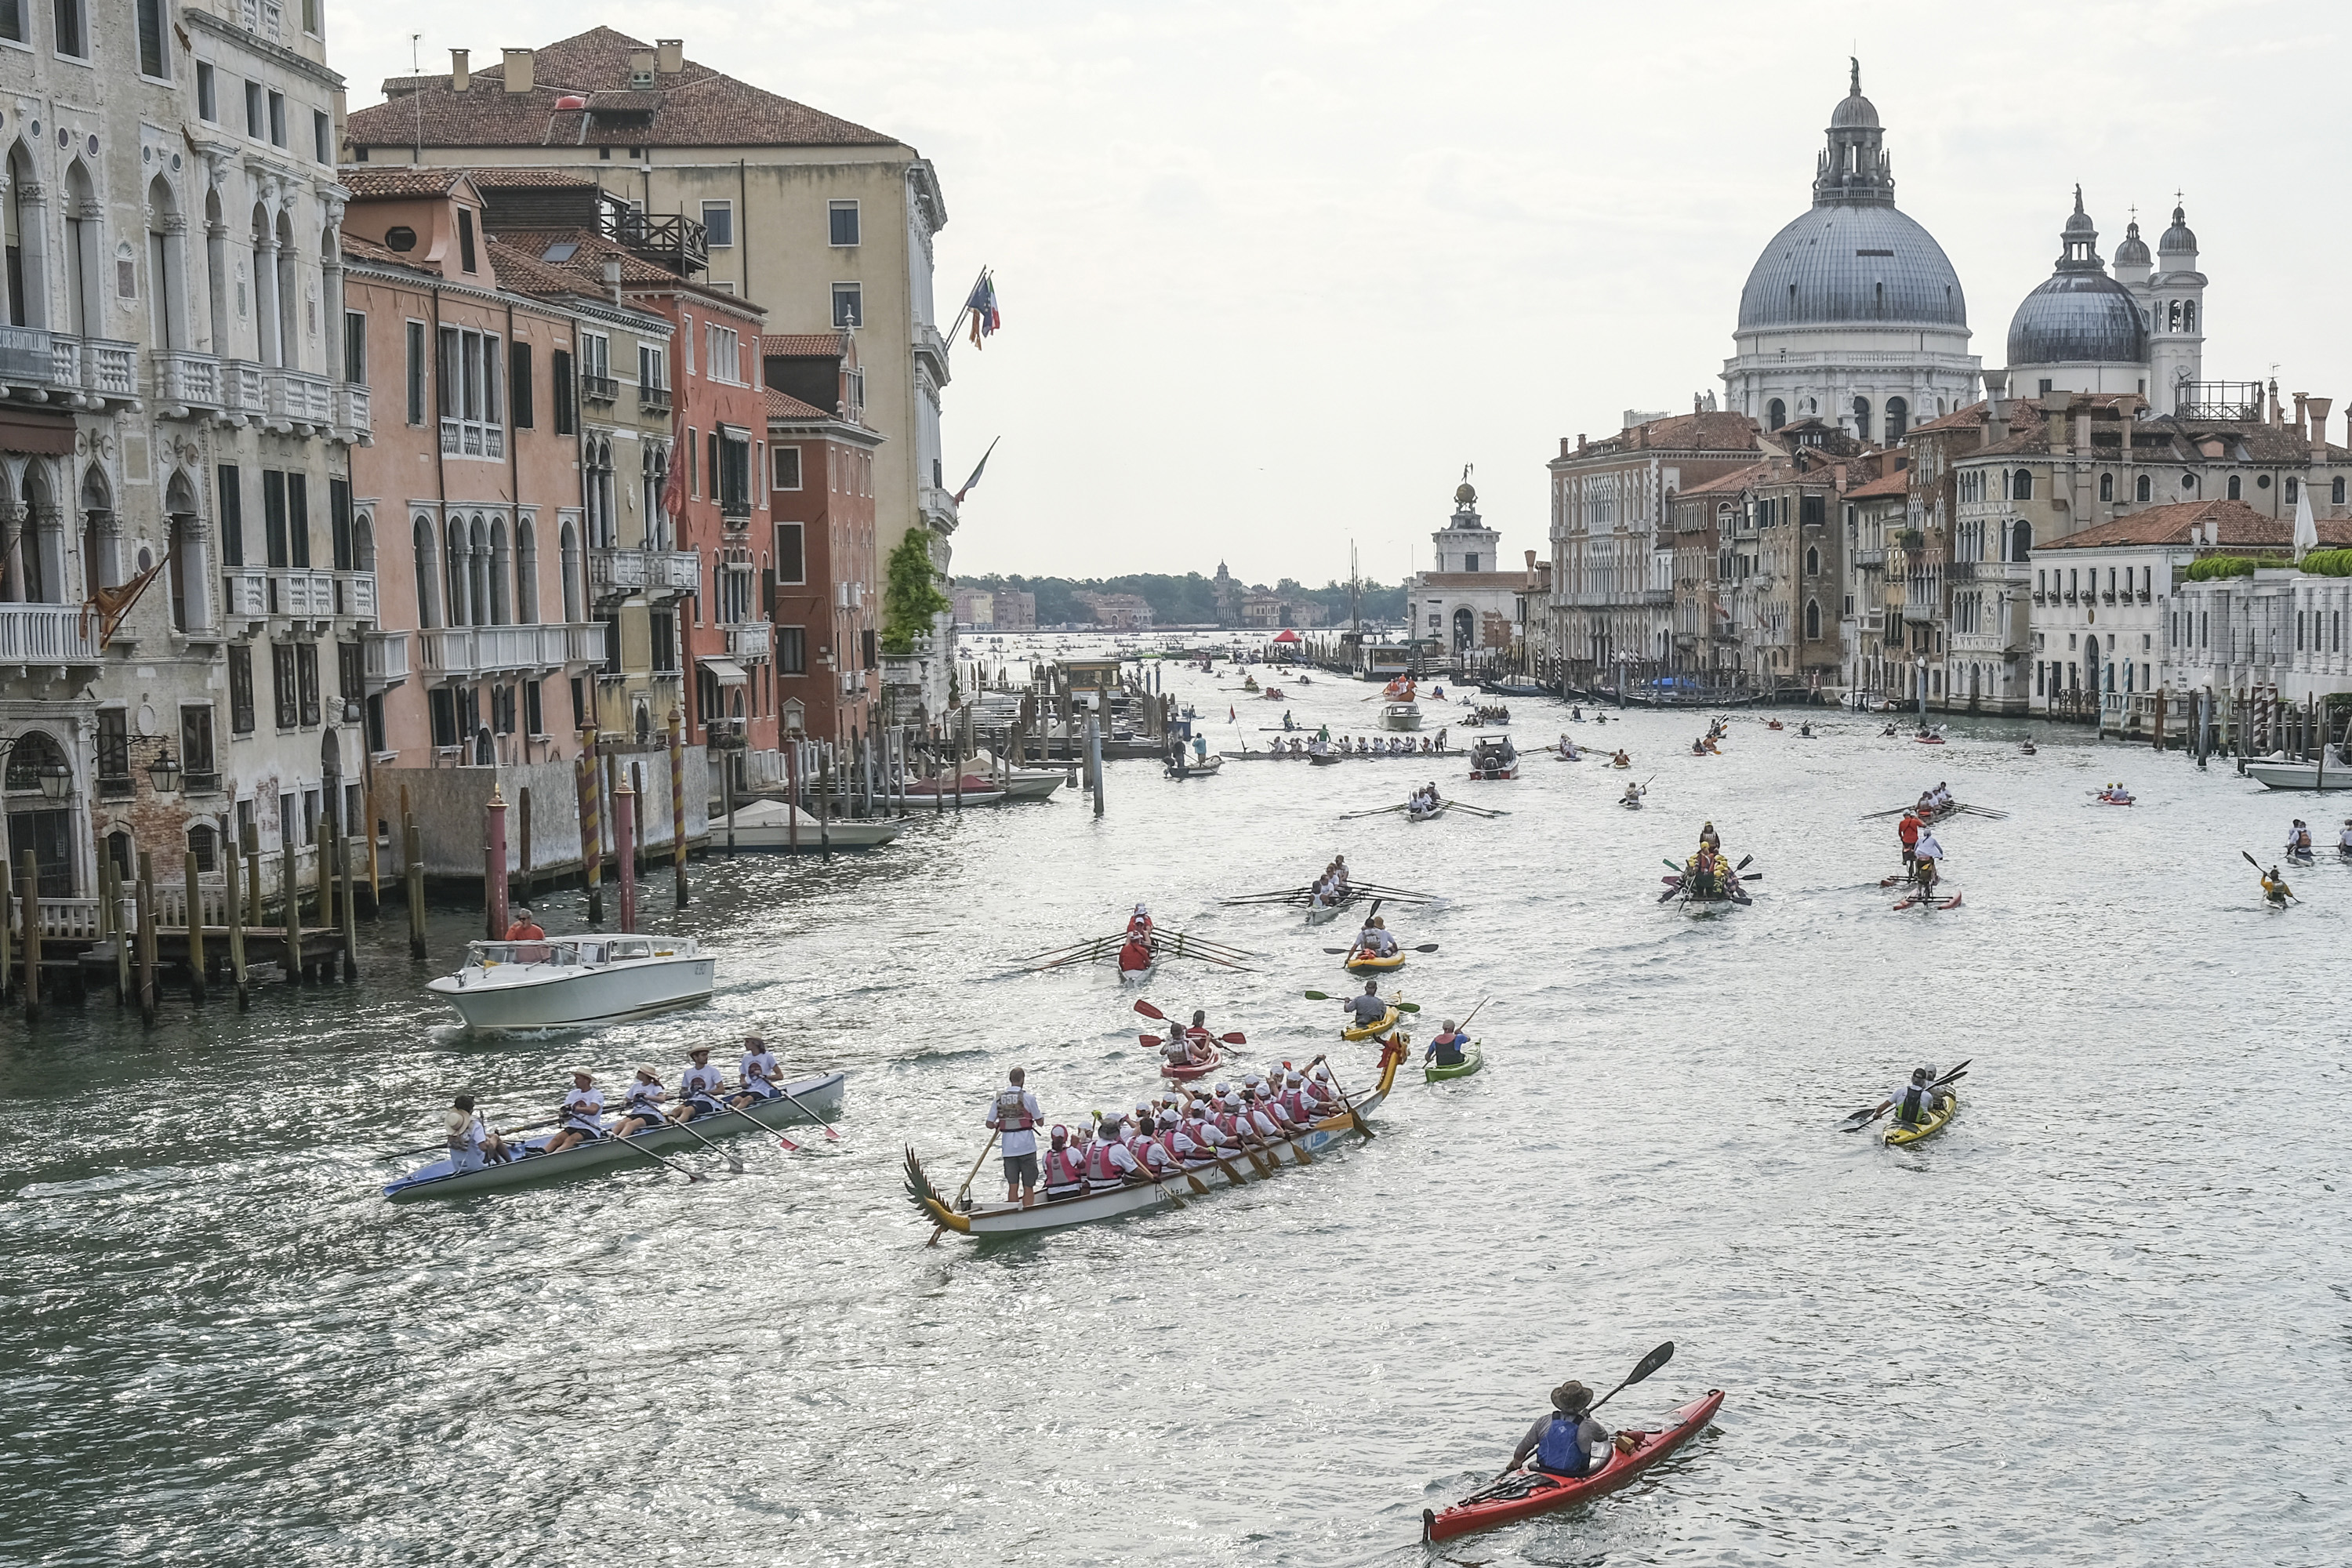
[698,1092]
[581,1118]
[641,1106]
[1566,1440]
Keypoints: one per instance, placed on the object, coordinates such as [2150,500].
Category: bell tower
[2176,296]
[1466,544]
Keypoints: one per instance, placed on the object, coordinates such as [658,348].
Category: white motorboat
[1405,715]
[821,1095]
[1023,783]
[2285,773]
[772,824]
[565,983]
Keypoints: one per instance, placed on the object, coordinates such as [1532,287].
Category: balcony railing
[1868,560]
[471,438]
[751,640]
[636,571]
[47,634]
[244,593]
[184,381]
[929,344]
[735,508]
[585,643]
[243,393]
[653,399]
[676,242]
[600,389]
[383,658]
[355,595]
[301,592]
[354,409]
[297,397]
[96,366]
[486,650]
[938,509]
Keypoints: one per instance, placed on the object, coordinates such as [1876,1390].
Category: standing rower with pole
[1013,1116]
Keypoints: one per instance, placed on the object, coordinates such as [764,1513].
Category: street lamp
[163,773]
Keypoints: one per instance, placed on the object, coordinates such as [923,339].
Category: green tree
[910,597]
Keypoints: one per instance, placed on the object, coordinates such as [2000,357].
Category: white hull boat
[771,824]
[821,1095]
[1196,1181]
[2281,773]
[574,981]
[1400,716]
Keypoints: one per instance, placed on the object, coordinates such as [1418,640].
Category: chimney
[2302,416]
[672,56]
[461,73]
[518,70]
[2059,428]
[1996,406]
[1563,445]
[612,279]
[2319,407]
[641,67]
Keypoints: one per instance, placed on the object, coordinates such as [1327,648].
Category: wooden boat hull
[823,1095]
[1199,1181]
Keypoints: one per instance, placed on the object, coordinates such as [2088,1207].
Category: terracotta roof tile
[1894,482]
[591,250]
[698,107]
[363,249]
[2232,523]
[527,179]
[384,184]
[783,406]
[809,345]
[1736,481]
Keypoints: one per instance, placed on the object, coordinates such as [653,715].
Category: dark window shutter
[518,384]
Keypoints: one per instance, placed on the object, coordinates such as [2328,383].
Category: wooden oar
[1383,811]
[443,1147]
[1354,1114]
[734,1163]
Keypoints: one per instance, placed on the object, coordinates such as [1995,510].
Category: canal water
[2107,1318]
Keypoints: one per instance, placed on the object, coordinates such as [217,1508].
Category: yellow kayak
[1901,1137]
[1358,963]
[1367,1031]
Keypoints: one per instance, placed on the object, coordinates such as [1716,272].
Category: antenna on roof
[416,74]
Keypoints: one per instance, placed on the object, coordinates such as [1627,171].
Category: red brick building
[826,590]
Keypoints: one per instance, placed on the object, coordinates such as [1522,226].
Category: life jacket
[1135,954]
[1913,1110]
[1230,1123]
[1100,1169]
[1012,1112]
[1561,1450]
[1909,829]
[1063,1168]
[1167,1143]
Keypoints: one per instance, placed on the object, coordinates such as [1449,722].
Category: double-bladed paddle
[1868,1114]
[1648,1365]
[1327,997]
[2284,891]
[1424,947]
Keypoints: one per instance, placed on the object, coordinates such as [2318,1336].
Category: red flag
[1230,715]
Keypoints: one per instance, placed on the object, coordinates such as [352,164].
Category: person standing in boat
[471,1145]
[698,1092]
[757,1074]
[581,1118]
[641,1107]
[1568,1442]
[1908,831]
[1708,839]
[1014,1115]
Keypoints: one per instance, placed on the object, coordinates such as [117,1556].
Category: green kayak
[1472,1060]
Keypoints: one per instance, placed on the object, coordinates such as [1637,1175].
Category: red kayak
[1524,1494]
[1185,1072]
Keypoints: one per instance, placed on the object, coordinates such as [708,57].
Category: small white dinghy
[772,824]
[565,982]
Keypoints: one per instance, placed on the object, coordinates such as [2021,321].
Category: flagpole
[966,306]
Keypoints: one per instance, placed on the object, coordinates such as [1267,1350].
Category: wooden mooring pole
[195,930]
[146,908]
[237,930]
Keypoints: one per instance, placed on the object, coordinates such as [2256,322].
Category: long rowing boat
[821,1095]
[1255,1164]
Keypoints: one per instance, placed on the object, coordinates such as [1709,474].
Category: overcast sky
[1271,273]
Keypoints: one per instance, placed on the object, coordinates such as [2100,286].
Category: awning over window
[725,671]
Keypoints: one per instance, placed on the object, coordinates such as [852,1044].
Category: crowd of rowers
[1323,745]
[1424,799]
[1708,874]
[1332,888]
[702,1091]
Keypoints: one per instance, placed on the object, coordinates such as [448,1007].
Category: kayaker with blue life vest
[1446,1047]
[1013,1114]
[1568,1442]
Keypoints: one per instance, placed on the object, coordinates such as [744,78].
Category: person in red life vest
[1109,1165]
[1294,1099]
[1065,1173]
[1200,1130]
[1150,1159]
[1908,830]
[1013,1114]
[1199,1044]
[1139,923]
[1320,1097]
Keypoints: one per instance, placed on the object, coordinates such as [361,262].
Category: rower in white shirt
[758,1074]
[471,1145]
[641,1106]
[582,1119]
[1108,1163]
[699,1091]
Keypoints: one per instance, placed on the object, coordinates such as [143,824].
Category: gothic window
[2024,491]
[2140,489]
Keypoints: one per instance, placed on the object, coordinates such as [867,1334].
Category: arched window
[2024,486]
[1812,562]
[166,306]
[27,224]
[526,574]
[34,754]
[478,601]
[364,543]
[85,255]
[2233,487]
[1776,413]
[2188,316]
[2141,487]
[1813,621]
[460,613]
[290,289]
[428,602]
[1898,419]
[567,545]
[101,564]
[204,840]
[187,571]
[1861,417]
[2021,541]
[2189,483]
[501,575]
[2107,486]
[2172,317]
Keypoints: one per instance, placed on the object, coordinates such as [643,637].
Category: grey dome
[1838,263]
[2133,251]
[2180,237]
[2076,318]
